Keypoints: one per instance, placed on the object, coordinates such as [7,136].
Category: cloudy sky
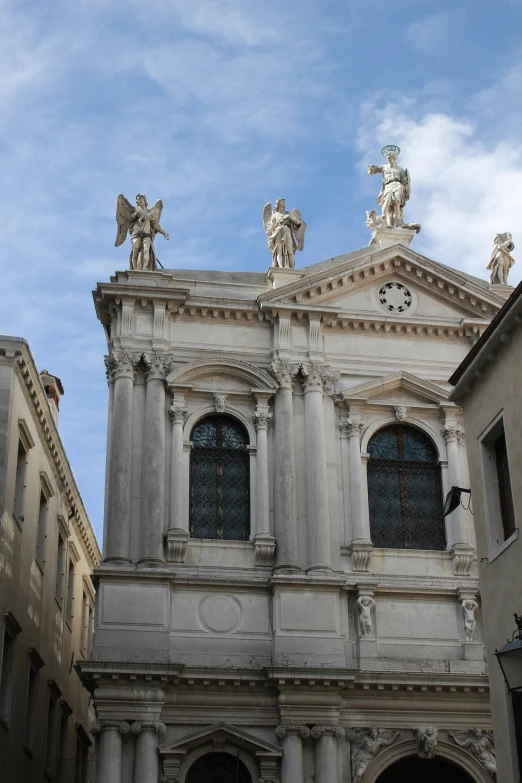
[218,106]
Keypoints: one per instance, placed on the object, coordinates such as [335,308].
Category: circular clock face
[394,297]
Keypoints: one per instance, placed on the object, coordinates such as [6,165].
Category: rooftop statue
[142,224]
[395,192]
[501,261]
[285,232]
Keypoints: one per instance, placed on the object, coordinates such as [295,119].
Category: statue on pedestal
[142,224]
[395,192]
[285,232]
[501,261]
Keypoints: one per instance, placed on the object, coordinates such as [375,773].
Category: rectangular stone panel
[131,604]
[307,612]
[416,619]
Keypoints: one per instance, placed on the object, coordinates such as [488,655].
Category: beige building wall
[47,552]
[494,395]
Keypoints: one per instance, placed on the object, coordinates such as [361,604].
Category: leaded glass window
[219,480]
[405,490]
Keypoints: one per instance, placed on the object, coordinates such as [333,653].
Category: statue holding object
[395,192]
[285,232]
[501,259]
[142,224]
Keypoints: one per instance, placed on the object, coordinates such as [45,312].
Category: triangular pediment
[400,388]
[340,287]
[220,732]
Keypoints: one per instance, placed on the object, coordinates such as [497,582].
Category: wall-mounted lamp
[510,658]
[453,500]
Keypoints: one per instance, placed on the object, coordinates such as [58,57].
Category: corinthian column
[177,535]
[108,747]
[264,543]
[146,765]
[360,544]
[153,494]
[285,502]
[315,467]
[462,551]
[121,372]
[326,754]
[292,770]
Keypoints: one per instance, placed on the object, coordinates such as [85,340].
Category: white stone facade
[259,648]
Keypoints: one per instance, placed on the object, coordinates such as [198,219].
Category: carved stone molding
[283,730]
[335,731]
[451,430]
[361,555]
[401,412]
[462,556]
[176,539]
[264,549]
[158,365]
[121,364]
[330,381]
[318,377]
[481,745]
[178,413]
[262,419]
[139,726]
[426,742]
[351,428]
[110,725]
[368,744]
[220,402]
[284,373]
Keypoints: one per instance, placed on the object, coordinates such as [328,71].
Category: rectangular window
[6,677]
[60,569]
[41,534]
[83,635]
[30,709]
[89,629]
[497,483]
[82,757]
[21,464]
[50,745]
[64,765]
[70,593]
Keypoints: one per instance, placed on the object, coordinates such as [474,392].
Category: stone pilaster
[264,543]
[315,466]
[108,748]
[121,371]
[146,765]
[462,551]
[292,769]
[177,535]
[360,544]
[285,503]
[326,753]
[153,495]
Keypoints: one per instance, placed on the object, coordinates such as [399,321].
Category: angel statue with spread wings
[142,224]
[395,189]
[285,232]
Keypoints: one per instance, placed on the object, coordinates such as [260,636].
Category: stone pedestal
[473,651]
[279,277]
[504,291]
[386,237]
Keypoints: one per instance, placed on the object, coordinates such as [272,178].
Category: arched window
[405,490]
[218,768]
[219,480]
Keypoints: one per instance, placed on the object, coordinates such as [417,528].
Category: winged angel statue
[285,232]
[142,224]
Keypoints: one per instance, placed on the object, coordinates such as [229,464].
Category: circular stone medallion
[219,613]
[394,297]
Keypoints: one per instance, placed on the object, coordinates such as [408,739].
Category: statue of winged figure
[395,189]
[142,224]
[285,232]
[501,259]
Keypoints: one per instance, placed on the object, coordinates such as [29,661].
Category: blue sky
[218,106]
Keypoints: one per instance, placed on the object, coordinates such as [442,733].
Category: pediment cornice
[380,387]
[317,292]
[226,732]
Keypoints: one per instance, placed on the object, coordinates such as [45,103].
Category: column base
[176,539]
[264,549]
[287,568]
[151,562]
[319,568]
[462,556]
[116,561]
[361,551]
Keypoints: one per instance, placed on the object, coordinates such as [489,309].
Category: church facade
[280,597]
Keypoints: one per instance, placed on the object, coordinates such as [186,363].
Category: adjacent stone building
[488,386]
[279,597]
[47,553]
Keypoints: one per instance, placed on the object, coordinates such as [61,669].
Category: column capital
[158,365]
[351,428]
[121,364]
[452,431]
[333,731]
[178,413]
[283,730]
[284,373]
[262,418]
[156,726]
[110,725]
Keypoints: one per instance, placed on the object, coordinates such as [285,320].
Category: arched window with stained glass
[220,480]
[405,490]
